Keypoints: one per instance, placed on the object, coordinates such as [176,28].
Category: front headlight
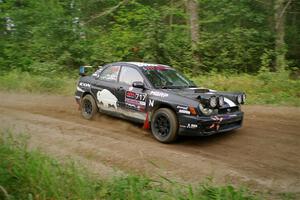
[205,111]
[221,101]
[213,101]
[239,99]
[244,98]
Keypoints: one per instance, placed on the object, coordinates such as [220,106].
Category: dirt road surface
[263,155]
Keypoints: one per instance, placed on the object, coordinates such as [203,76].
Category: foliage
[54,35]
[264,88]
[49,39]
[28,174]
[25,82]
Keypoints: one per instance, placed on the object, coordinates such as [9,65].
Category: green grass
[264,88]
[31,174]
[25,82]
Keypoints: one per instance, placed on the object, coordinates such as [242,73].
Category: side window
[129,75]
[110,74]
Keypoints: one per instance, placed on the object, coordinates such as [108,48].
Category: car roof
[140,64]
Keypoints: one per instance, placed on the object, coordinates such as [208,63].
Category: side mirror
[138,84]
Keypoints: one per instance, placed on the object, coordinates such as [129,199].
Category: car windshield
[165,78]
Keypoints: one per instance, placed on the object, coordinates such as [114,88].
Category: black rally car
[161,98]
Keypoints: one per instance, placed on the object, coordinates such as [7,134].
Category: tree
[192,35]
[280,7]
[192,10]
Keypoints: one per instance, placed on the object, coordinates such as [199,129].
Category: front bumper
[209,125]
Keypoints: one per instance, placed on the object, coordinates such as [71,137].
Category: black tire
[88,107]
[164,125]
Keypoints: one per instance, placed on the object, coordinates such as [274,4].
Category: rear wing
[85,70]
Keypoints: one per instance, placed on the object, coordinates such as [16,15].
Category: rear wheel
[88,107]
[164,125]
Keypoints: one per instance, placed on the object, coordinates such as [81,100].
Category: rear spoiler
[83,70]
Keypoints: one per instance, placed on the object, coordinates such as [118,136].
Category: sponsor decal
[184,112]
[159,94]
[137,96]
[141,64]
[130,94]
[135,101]
[151,103]
[143,103]
[107,99]
[156,68]
[135,105]
[84,84]
[131,106]
[192,126]
[216,124]
[182,107]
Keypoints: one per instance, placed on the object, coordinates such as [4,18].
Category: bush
[49,83]
[264,88]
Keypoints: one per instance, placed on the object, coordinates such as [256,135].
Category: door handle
[120,88]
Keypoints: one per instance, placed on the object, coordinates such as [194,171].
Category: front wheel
[164,125]
[88,107]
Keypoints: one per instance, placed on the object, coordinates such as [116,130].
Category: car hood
[203,94]
[192,93]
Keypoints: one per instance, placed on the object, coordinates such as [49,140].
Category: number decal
[140,97]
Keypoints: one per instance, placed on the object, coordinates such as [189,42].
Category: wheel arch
[163,105]
[173,120]
[86,93]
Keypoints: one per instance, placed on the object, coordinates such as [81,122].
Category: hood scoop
[201,90]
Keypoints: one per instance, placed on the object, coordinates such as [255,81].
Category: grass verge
[264,88]
[28,174]
[25,82]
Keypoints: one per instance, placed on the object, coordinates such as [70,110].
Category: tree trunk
[280,7]
[192,10]
[171,15]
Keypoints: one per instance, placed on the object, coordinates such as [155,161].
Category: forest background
[249,45]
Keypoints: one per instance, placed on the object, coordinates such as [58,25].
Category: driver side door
[132,100]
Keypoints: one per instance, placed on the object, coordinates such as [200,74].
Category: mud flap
[146,122]
[78,104]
